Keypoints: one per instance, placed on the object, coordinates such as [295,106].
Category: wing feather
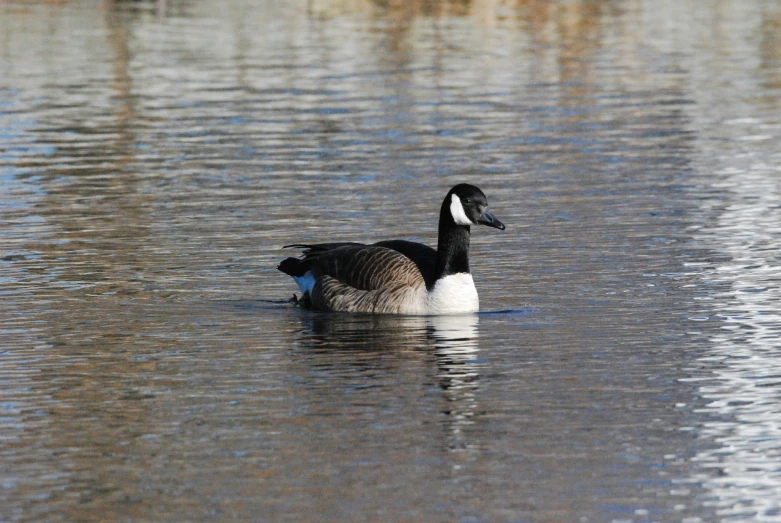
[366,267]
[365,278]
[422,255]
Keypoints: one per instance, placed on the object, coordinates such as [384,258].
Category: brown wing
[362,278]
[422,255]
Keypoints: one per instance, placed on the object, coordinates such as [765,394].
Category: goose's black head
[467,205]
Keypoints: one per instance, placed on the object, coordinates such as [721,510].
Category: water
[156,156]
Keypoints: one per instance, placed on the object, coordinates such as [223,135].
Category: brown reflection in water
[91,399]
[770,55]
[123,86]
[92,202]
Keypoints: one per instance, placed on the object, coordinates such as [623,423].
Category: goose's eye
[467,201]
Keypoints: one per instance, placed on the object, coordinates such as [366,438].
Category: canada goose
[397,276]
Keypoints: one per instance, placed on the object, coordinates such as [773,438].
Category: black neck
[453,244]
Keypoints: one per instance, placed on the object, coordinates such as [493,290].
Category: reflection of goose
[397,276]
[456,347]
[377,347]
[456,339]
[364,331]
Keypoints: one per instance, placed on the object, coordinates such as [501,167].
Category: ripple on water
[157,156]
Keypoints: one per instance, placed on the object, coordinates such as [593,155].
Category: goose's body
[397,276]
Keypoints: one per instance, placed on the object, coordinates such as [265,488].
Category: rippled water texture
[154,158]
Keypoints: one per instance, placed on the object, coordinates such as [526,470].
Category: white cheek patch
[457,210]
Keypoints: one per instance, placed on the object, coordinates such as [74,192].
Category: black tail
[293,267]
[318,247]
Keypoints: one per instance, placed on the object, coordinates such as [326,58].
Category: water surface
[156,156]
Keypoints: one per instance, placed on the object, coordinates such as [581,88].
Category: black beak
[488,218]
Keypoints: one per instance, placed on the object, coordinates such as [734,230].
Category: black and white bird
[397,276]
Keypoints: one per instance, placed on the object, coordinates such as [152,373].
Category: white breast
[453,294]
